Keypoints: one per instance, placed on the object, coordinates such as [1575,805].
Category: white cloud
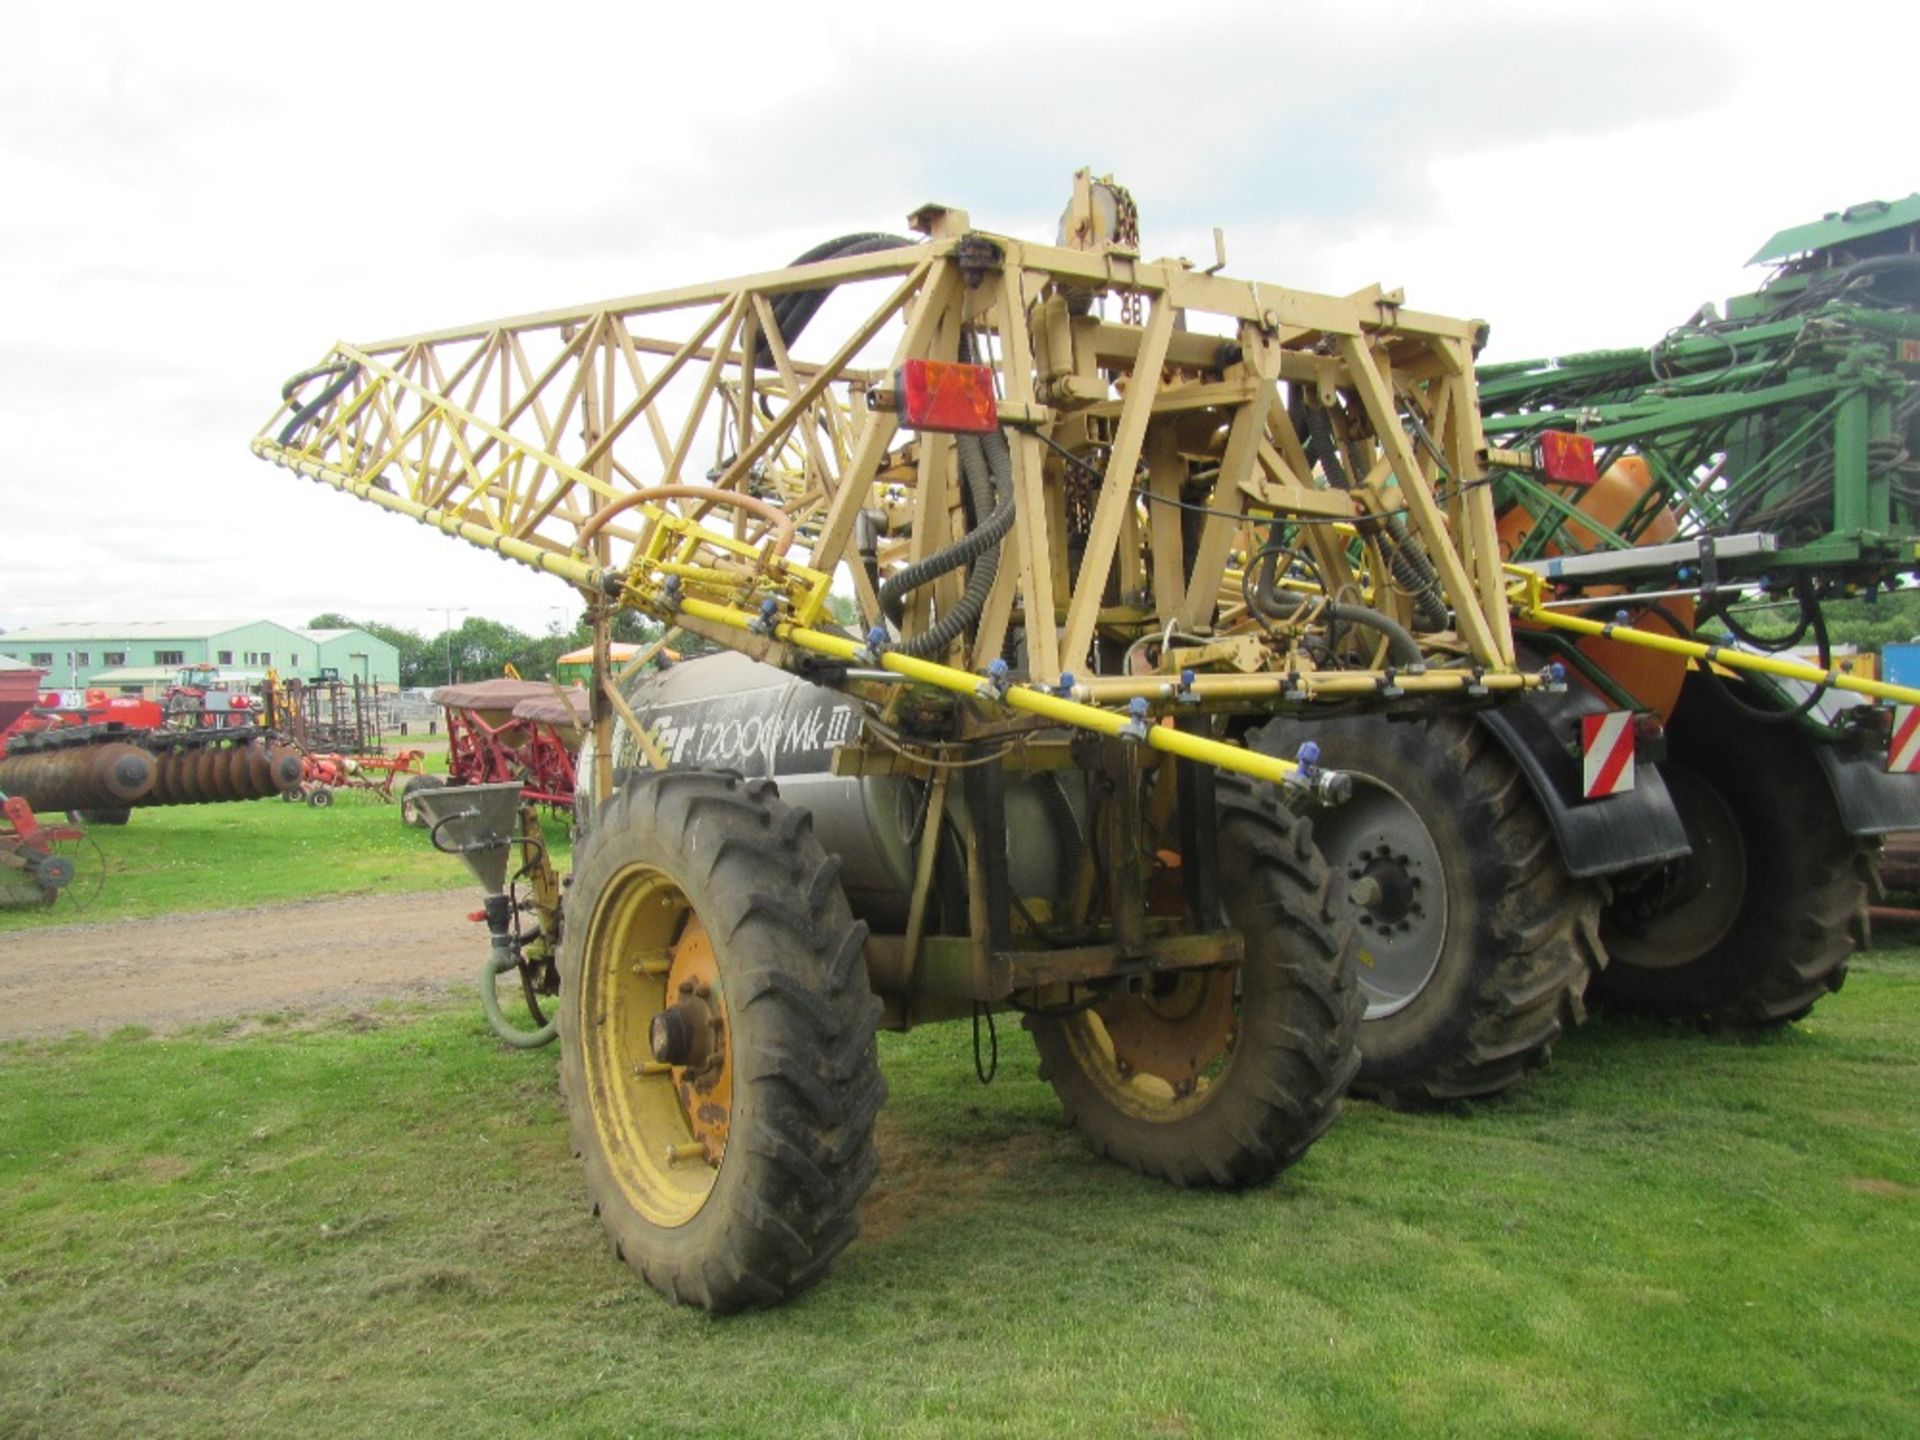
[199,200]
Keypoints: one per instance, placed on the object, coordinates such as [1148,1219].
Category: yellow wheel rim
[662,1128]
[1155,1055]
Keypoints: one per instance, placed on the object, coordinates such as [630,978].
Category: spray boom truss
[1202,491]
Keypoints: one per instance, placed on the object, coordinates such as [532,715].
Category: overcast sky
[196,200]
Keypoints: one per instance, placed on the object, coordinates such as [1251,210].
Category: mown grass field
[371,1225]
[213,857]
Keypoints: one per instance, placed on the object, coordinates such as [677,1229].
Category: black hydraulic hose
[1402,648]
[1811,617]
[343,372]
[792,311]
[987,464]
[1720,610]
[1829,282]
[1760,714]
[1317,436]
[970,547]
[1411,567]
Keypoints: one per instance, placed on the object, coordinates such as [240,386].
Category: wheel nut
[685,1153]
[1364,892]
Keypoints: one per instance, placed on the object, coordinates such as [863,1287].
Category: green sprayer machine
[1712,494]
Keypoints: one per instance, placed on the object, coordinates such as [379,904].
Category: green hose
[491,968]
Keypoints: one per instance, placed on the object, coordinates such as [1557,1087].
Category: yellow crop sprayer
[1078,501]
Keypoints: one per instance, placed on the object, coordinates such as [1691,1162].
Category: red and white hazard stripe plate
[1606,753]
[1903,750]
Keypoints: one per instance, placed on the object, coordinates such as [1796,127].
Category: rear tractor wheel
[1759,922]
[717,1040]
[1223,1077]
[1475,944]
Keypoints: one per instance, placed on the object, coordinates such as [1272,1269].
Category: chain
[1126,219]
[1126,236]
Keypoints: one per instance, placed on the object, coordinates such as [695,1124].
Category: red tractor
[203,699]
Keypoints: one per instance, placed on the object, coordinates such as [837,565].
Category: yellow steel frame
[1529,603]
[638,449]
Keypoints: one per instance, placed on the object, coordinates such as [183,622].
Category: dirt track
[181,969]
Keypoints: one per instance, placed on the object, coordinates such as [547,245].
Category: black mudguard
[1870,801]
[1597,837]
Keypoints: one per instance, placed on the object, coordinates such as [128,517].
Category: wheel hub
[1390,899]
[55,872]
[1393,885]
[682,1034]
[1688,907]
[1174,1027]
[695,1025]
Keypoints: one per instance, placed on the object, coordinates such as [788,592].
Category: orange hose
[752,504]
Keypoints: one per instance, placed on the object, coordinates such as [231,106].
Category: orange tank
[1652,679]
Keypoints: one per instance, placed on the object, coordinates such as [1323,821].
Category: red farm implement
[514,730]
[34,869]
[55,710]
[383,776]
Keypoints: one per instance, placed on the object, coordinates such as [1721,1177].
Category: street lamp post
[449,611]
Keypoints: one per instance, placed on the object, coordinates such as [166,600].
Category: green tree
[1890,619]
[844,611]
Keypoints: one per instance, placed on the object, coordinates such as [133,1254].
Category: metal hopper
[479,823]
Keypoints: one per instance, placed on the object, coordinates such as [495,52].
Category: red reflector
[1566,457]
[1903,746]
[952,399]
[1606,753]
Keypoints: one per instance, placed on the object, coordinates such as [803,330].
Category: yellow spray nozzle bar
[1729,656]
[1026,698]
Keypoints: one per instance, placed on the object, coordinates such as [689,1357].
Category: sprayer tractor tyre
[706,871]
[1792,885]
[411,815]
[1477,953]
[1292,1042]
